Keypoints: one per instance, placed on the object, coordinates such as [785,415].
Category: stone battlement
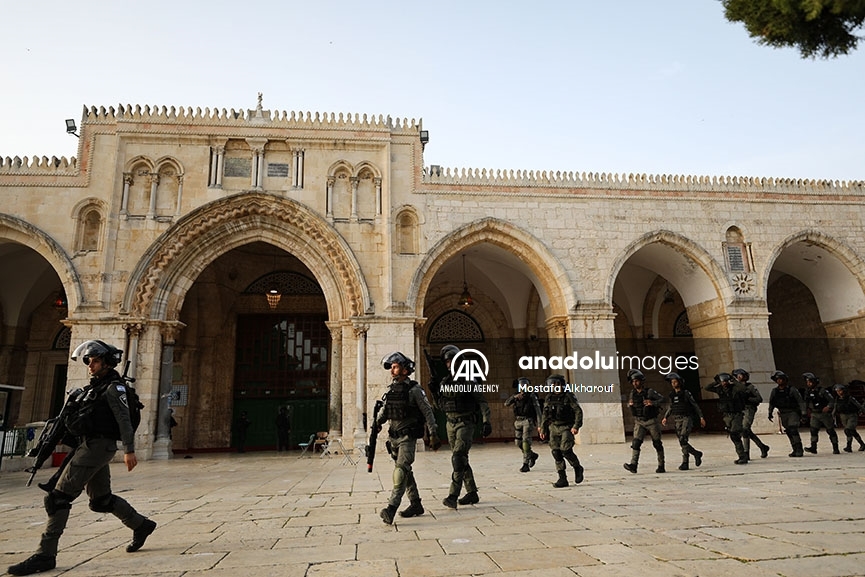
[38,165]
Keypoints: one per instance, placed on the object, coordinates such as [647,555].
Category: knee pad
[659,446]
[103,504]
[636,443]
[683,441]
[57,501]
[557,455]
[460,462]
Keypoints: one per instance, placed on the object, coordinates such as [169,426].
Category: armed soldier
[562,420]
[645,406]
[461,404]
[684,409]
[790,407]
[527,419]
[407,409]
[753,398]
[848,410]
[731,403]
[102,419]
[821,404]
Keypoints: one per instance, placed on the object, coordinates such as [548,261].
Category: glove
[488,429]
[434,442]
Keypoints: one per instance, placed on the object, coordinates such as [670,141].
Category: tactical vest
[558,410]
[397,405]
[730,399]
[638,409]
[846,405]
[94,417]
[784,400]
[457,401]
[680,405]
[525,407]
[816,399]
[754,397]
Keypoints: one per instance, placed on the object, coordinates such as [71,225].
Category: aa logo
[466,365]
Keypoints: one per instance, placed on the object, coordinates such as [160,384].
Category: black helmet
[811,377]
[672,376]
[449,352]
[723,377]
[522,381]
[399,359]
[779,375]
[840,387]
[87,350]
[737,372]
[635,375]
[556,380]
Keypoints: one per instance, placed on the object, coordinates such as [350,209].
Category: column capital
[170,331]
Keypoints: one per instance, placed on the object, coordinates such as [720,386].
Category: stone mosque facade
[250,259]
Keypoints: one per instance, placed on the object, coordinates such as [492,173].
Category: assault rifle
[53,434]
[435,379]
[374,430]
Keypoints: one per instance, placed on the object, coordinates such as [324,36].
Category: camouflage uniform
[527,416]
[562,416]
[790,407]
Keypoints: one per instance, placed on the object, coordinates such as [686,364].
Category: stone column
[179,194]
[355,182]
[162,444]
[378,203]
[335,424]
[154,184]
[220,165]
[133,332]
[214,160]
[124,200]
[360,333]
[329,200]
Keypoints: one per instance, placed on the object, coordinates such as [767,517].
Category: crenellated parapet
[528,179]
[239,117]
[38,165]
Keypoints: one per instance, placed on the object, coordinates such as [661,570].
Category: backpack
[133,402]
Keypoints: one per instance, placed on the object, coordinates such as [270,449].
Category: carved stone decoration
[743,284]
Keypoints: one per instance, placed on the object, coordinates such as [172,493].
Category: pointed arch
[549,274]
[170,266]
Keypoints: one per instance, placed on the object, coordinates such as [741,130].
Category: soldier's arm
[537,406]
[510,400]
[423,403]
[484,406]
[694,404]
[115,394]
[578,415]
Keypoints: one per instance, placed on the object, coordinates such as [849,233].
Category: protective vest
[817,399]
[558,410]
[638,409]
[525,407]
[680,404]
[730,399]
[397,405]
[94,417]
[754,397]
[784,400]
[456,401]
[847,405]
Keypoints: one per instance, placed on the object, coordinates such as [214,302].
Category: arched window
[455,326]
[407,233]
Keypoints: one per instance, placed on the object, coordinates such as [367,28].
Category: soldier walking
[790,407]
[753,398]
[461,403]
[407,409]
[646,406]
[821,404]
[527,418]
[848,410]
[731,395]
[562,420]
[684,409]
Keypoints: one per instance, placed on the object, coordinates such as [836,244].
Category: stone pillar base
[162,449]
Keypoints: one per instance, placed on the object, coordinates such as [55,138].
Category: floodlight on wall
[466,299]
[71,128]
[424,137]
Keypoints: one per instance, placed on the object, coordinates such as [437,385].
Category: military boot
[849,447]
[34,564]
[140,535]
[450,501]
[525,468]
[632,467]
[684,465]
[562,481]
[698,458]
[661,468]
[835,450]
[413,510]
[764,451]
[469,498]
[387,514]
[578,474]
[797,450]
[533,459]
[812,449]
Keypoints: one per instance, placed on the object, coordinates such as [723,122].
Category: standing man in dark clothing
[102,419]
[461,403]
[790,407]
[243,423]
[645,405]
[684,409]
[821,403]
[848,410]
[527,419]
[407,409]
[283,429]
[563,418]
[753,398]
[731,403]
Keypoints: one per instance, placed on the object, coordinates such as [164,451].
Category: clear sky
[627,86]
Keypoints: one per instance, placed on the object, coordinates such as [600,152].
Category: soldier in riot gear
[753,398]
[731,402]
[684,409]
[101,420]
[527,419]
[848,410]
[645,405]
[461,403]
[821,404]
[562,420]
[790,407]
[408,410]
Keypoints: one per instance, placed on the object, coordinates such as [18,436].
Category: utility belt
[462,419]
[415,432]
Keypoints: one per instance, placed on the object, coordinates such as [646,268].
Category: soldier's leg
[466,434]
[790,420]
[828,421]
[404,447]
[814,426]
[655,432]
[636,443]
[734,425]
[682,433]
[567,447]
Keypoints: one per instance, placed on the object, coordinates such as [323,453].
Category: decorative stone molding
[743,284]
